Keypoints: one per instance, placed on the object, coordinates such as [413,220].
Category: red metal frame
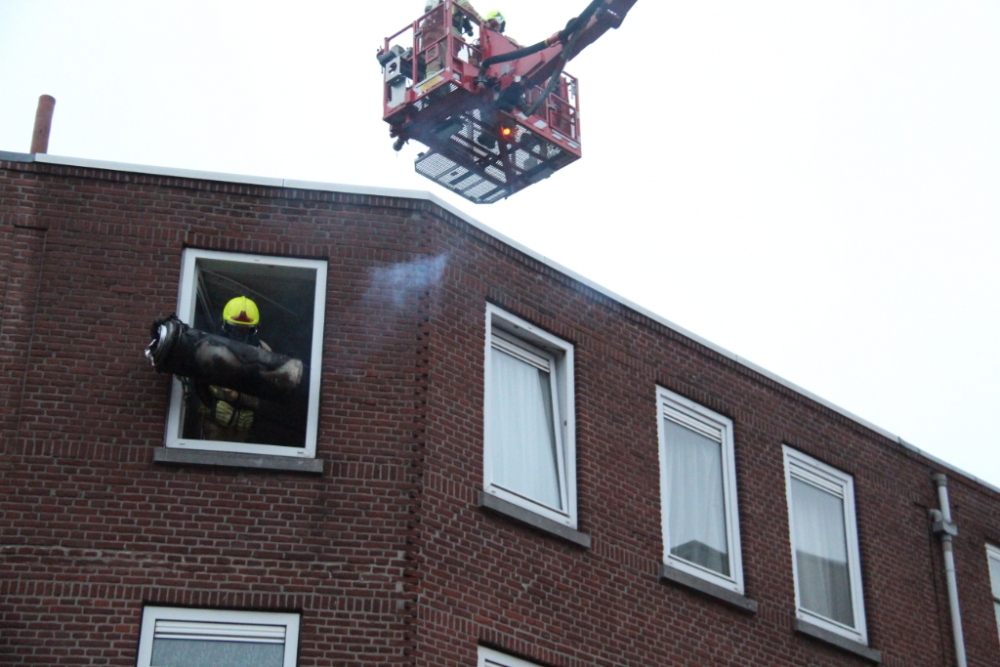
[479,144]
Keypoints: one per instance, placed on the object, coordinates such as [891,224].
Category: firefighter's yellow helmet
[497,15]
[241,311]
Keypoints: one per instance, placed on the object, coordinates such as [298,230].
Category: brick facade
[387,554]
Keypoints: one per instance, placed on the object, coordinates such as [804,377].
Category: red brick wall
[528,593]
[386,554]
[90,527]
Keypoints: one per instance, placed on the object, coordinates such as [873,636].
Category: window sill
[849,645]
[494,504]
[201,457]
[733,598]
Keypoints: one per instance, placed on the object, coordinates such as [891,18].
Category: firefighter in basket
[434,30]
[226,414]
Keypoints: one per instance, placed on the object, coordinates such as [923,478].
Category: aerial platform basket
[482,142]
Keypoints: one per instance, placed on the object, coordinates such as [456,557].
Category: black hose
[513,55]
[580,23]
[572,28]
[549,87]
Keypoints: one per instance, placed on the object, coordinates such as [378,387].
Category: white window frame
[491,658]
[535,346]
[719,428]
[993,553]
[807,469]
[186,305]
[178,620]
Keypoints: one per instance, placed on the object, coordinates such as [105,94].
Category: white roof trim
[427,196]
[158,171]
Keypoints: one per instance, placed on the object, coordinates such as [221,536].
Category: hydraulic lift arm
[496,117]
[545,60]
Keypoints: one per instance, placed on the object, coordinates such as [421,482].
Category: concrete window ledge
[733,598]
[172,456]
[494,504]
[849,645]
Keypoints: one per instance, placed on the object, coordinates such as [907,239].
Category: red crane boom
[495,117]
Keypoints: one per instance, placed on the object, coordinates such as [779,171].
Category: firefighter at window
[227,414]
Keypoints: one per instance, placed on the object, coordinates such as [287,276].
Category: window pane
[200,653]
[995,576]
[522,430]
[996,610]
[821,553]
[696,513]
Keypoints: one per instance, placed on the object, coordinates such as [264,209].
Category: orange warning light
[506,131]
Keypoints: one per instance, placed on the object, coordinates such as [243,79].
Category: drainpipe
[43,124]
[946,530]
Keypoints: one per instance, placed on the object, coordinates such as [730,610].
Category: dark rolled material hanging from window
[178,349]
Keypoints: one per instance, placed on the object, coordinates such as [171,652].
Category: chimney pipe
[43,124]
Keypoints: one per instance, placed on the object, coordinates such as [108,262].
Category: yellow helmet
[497,15]
[241,311]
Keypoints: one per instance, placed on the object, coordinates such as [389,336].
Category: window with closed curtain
[821,553]
[697,504]
[698,489]
[993,556]
[526,458]
[528,429]
[825,551]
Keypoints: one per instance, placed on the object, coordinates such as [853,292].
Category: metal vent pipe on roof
[43,124]
[946,530]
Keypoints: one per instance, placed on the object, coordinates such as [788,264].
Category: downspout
[946,530]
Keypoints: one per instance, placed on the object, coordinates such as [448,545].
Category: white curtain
[995,575]
[995,579]
[696,516]
[821,553]
[522,430]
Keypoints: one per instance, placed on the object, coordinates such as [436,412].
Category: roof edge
[17,157]
[465,217]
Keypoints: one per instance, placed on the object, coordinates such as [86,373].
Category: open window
[827,563]
[530,453]
[290,296]
[701,531]
[177,637]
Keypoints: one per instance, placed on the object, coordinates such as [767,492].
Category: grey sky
[813,186]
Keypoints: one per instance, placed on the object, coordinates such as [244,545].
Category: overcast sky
[814,186]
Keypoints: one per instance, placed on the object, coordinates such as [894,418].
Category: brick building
[496,462]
